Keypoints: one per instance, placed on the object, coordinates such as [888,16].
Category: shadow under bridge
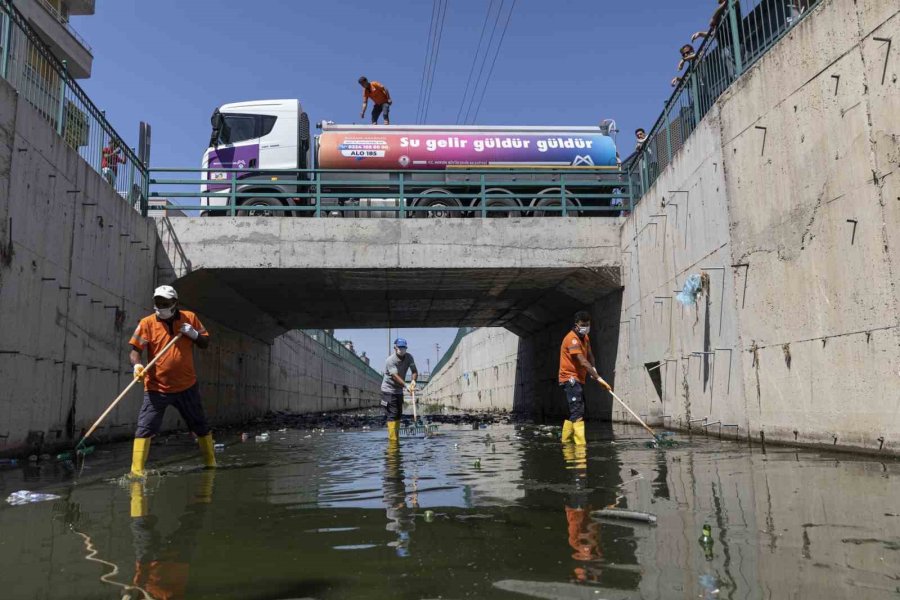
[265,276]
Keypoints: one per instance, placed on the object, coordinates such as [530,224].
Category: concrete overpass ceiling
[523,299]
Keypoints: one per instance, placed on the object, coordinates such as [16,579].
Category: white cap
[165,291]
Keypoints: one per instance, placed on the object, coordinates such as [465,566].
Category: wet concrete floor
[341,515]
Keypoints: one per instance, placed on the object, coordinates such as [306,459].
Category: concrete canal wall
[77,271]
[786,196]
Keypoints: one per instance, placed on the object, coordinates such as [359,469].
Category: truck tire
[511,202]
[438,199]
[552,199]
[255,207]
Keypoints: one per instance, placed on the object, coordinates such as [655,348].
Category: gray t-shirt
[394,365]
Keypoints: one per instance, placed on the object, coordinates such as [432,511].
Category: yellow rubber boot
[579,433]
[138,500]
[393,431]
[208,450]
[568,430]
[139,457]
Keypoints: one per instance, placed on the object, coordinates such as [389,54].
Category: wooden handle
[647,427]
[127,389]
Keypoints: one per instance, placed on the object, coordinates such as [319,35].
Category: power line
[431,30]
[437,49]
[484,60]
[487,18]
[496,54]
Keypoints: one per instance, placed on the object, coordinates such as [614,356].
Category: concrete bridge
[265,276]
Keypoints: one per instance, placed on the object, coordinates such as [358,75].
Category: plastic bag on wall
[688,294]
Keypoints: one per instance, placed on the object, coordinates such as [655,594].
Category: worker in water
[398,363]
[172,380]
[381,100]
[576,361]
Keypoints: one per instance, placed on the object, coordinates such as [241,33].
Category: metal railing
[42,80]
[334,345]
[458,192]
[743,33]
[64,21]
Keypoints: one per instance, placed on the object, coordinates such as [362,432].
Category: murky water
[340,515]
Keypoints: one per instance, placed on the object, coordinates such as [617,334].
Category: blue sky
[562,62]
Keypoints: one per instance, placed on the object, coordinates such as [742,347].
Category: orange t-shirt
[376,92]
[568,365]
[174,371]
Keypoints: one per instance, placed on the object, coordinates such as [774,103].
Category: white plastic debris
[26,497]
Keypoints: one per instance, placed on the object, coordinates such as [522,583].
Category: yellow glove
[139,372]
[412,387]
[603,383]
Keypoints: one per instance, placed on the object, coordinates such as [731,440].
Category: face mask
[164,313]
[401,351]
[583,330]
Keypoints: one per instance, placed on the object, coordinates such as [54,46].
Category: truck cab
[269,135]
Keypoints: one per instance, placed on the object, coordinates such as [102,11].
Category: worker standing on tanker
[576,361]
[172,380]
[381,100]
[395,368]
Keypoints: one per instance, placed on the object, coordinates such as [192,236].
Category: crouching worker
[394,382]
[171,381]
[576,362]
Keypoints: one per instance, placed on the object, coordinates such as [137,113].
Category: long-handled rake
[657,439]
[80,447]
[418,428]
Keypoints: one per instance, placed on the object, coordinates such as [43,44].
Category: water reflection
[584,533]
[162,563]
[399,513]
[341,515]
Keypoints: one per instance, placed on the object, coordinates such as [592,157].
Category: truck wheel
[256,207]
[438,200]
[497,202]
[551,199]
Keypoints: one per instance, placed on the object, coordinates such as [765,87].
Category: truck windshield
[239,128]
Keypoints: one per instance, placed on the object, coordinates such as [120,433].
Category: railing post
[232,202]
[60,111]
[5,39]
[668,128]
[318,198]
[695,99]
[562,195]
[483,199]
[401,199]
[630,193]
[130,183]
[145,193]
[735,38]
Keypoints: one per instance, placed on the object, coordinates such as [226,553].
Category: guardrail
[458,192]
[42,80]
[743,34]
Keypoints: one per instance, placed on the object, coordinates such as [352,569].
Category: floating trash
[26,497]
[219,447]
[429,516]
[262,437]
[627,515]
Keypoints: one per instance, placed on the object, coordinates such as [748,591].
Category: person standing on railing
[110,160]
[172,381]
[397,364]
[576,361]
[381,100]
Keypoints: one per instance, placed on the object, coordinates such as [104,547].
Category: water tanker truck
[447,171]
